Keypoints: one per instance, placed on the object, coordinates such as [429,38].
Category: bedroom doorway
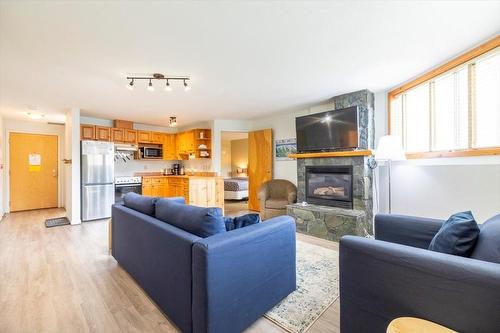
[234,170]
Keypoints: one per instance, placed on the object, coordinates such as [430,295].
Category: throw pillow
[488,242]
[457,235]
[241,221]
[140,203]
[203,222]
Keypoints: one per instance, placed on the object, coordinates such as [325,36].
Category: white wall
[130,167]
[72,171]
[25,126]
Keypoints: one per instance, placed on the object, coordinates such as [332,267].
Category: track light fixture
[186,86]
[130,86]
[167,86]
[158,76]
[150,86]
[172,122]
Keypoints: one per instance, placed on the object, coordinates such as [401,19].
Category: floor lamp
[390,149]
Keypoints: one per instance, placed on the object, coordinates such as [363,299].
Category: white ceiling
[245,59]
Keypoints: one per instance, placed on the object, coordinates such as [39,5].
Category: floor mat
[55,222]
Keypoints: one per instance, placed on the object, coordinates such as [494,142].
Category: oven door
[122,189]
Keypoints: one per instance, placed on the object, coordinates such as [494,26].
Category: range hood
[125,147]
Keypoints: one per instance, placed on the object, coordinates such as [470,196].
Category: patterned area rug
[317,289]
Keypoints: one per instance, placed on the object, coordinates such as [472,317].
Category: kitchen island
[201,189]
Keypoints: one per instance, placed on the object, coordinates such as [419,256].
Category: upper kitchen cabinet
[130,136]
[144,136]
[103,133]
[169,147]
[157,137]
[118,135]
[87,132]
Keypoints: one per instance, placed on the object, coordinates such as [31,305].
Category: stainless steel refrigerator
[98,171]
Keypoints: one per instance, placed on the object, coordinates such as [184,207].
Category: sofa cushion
[202,222]
[140,203]
[457,235]
[488,243]
[276,203]
[241,221]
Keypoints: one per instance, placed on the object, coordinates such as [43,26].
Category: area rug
[317,289]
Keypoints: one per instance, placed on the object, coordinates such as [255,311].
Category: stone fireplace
[337,187]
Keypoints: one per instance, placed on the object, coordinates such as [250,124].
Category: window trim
[432,74]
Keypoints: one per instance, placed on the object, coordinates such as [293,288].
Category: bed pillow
[241,221]
[488,242]
[457,236]
[203,222]
[140,203]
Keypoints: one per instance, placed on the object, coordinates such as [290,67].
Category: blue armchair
[396,276]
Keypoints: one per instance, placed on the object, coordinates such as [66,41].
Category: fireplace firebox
[329,185]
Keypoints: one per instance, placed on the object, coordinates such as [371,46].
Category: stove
[124,185]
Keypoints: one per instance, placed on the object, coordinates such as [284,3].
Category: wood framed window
[453,110]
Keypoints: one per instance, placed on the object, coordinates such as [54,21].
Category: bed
[236,188]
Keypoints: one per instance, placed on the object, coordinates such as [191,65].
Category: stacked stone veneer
[330,222]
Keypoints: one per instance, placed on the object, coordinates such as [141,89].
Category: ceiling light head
[172,122]
[186,86]
[130,86]
[34,115]
[168,87]
[150,86]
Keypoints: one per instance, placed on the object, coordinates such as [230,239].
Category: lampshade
[390,149]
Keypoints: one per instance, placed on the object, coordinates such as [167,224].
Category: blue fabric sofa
[221,283]
[394,275]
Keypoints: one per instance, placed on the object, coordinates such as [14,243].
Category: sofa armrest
[406,230]
[241,274]
[380,281]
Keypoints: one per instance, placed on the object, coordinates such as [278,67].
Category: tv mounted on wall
[328,131]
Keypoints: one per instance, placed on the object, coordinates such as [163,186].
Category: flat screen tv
[328,131]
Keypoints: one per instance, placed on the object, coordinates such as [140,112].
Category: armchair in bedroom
[274,195]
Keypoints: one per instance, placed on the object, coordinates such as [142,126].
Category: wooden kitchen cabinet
[102,133]
[144,136]
[169,147]
[178,187]
[87,132]
[157,137]
[130,136]
[118,135]
[155,186]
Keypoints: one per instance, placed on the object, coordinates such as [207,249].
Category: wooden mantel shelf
[347,153]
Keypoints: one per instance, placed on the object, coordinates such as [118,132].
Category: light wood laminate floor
[63,279]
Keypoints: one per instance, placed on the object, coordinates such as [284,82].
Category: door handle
[54,172]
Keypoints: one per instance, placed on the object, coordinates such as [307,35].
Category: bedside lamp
[390,149]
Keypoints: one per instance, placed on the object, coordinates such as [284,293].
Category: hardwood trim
[455,153]
[333,154]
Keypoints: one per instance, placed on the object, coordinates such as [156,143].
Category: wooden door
[33,171]
[87,132]
[260,163]
[169,149]
[102,133]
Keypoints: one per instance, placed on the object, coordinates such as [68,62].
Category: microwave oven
[151,152]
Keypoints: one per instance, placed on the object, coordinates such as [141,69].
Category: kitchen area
[120,157]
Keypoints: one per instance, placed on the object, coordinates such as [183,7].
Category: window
[453,110]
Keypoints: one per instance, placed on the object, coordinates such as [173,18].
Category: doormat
[55,222]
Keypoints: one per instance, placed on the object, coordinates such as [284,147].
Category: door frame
[60,148]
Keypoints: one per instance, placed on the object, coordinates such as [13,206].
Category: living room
[291,166]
